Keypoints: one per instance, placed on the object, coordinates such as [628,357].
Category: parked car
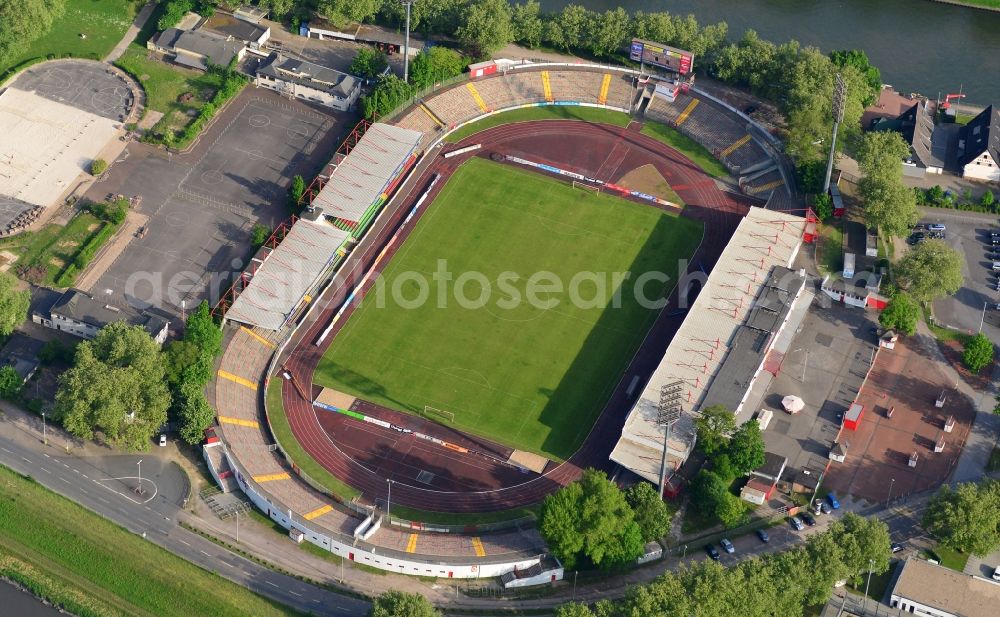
[807,518]
[825,508]
[919,226]
[916,238]
[763,535]
[832,500]
[937,235]
[163,440]
[995,234]
[796,523]
[896,547]
[935,227]
[727,546]
[712,552]
[996,574]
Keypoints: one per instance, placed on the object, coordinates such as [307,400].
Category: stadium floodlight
[839,100]
[406,41]
[667,414]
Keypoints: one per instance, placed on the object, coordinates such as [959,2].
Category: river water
[22,604]
[919,45]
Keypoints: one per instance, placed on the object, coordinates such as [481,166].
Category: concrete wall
[916,608]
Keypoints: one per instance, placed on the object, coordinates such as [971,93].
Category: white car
[163,440]
[996,574]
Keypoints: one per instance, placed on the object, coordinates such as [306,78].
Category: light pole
[983,319]
[685,553]
[889,498]
[237,526]
[839,99]
[388,503]
[406,42]
[871,562]
[45,436]
[138,489]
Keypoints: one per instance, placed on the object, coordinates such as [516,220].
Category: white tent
[793,404]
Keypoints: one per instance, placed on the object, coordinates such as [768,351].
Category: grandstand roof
[764,240]
[360,178]
[282,276]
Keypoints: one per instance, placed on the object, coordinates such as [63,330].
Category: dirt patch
[55,261]
[93,227]
[68,244]
[7,260]
[952,351]
[648,180]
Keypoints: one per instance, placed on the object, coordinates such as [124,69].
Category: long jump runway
[364,459]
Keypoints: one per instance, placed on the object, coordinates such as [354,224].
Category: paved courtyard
[202,204]
[90,86]
[906,380]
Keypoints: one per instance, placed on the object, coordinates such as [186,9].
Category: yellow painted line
[411,546]
[687,111]
[477,545]
[477,98]
[603,98]
[764,187]
[736,145]
[238,422]
[259,338]
[318,512]
[547,86]
[271,477]
[237,379]
[427,110]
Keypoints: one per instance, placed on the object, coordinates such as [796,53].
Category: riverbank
[985,5]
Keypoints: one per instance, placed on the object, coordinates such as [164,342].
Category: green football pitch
[531,371]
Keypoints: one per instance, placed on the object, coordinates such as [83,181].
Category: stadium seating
[762,186]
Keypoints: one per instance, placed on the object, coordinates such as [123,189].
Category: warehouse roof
[282,276]
[764,239]
[359,179]
[947,590]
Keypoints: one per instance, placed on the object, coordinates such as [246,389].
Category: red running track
[585,148]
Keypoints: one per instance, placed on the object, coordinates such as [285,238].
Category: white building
[83,315]
[311,82]
[930,590]
[197,48]
[979,146]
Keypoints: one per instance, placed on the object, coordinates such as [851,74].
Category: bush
[98,167]
[978,353]
[259,235]
[823,204]
[10,383]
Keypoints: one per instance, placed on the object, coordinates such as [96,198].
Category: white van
[764,418]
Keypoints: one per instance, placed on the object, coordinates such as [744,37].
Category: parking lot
[969,233]
[202,204]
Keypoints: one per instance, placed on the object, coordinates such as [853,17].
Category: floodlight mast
[839,100]
[667,414]
[406,41]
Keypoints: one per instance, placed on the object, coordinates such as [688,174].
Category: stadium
[336,404]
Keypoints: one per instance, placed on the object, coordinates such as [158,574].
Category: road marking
[477,545]
[259,338]
[184,542]
[320,511]
[294,593]
[6,450]
[411,546]
[84,491]
[65,480]
[45,470]
[25,460]
[270,583]
[270,477]
[239,422]
[226,563]
[205,554]
[46,455]
[237,379]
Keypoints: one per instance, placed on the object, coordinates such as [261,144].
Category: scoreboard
[664,56]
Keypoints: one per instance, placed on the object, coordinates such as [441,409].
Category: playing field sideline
[533,375]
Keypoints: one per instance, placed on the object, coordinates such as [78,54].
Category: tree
[14,303]
[858,59]
[486,26]
[368,62]
[571,24]
[930,270]
[864,544]
[889,205]
[277,8]
[590,519]
[173,13]
[527,23]
[987,199]
[978,353]
[434,65]
[348,10]
[116,386]
[400,604]
[10,382]
[201,330]
[295,191]
[258,235]
[195,414]
[966,518]
[23,22]
[746,448]
[574,609]
[713,427]
[389,93]
[901,314]
[608,32]
[98,167]
[651,513]
[823,204]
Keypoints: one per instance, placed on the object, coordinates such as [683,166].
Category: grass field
[53,248]
[686,146]
[532,375]
[550,112]
[104,22]
[69,548]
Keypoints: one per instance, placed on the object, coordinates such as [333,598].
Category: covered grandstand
[281,277]
[724,341]
[360,179]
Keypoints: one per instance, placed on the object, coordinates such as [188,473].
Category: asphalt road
[100,484]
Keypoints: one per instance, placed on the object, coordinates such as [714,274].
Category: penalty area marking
[122,479]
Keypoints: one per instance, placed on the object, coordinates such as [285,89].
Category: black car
[749,109]
[712,552]
[763,535]
[916,238]
[896,547]
[807,518]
